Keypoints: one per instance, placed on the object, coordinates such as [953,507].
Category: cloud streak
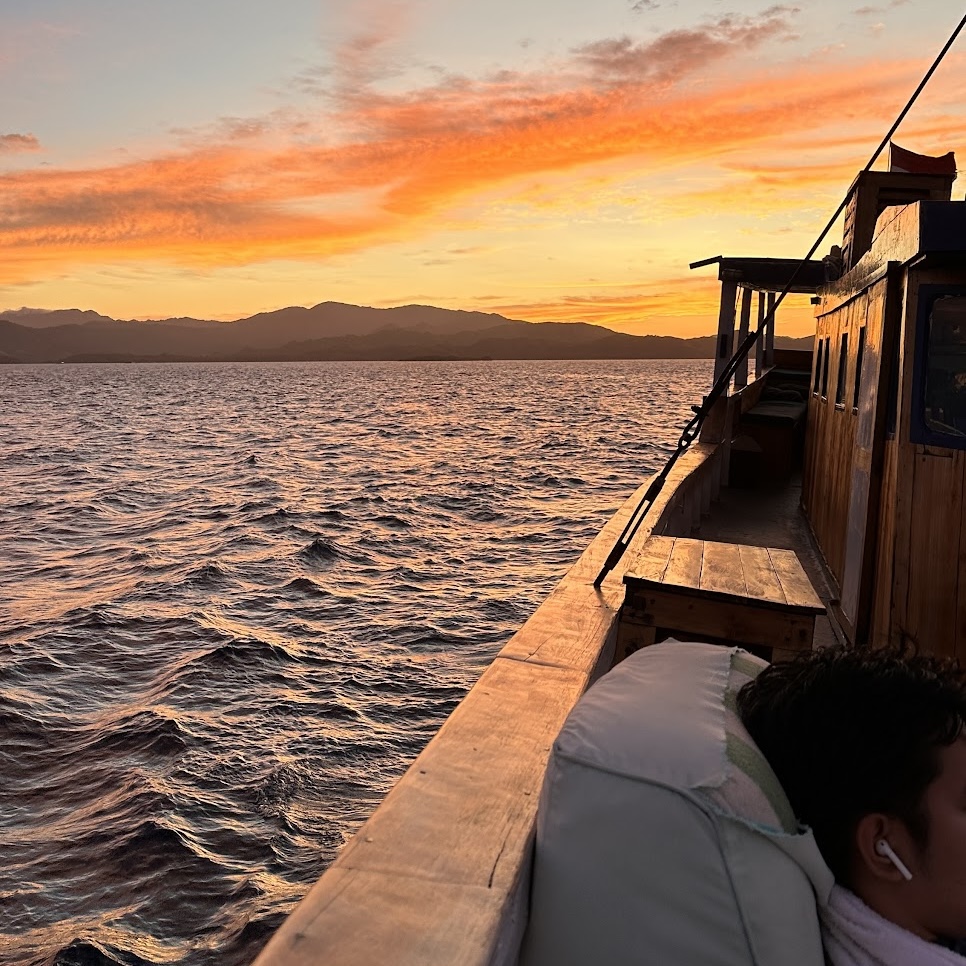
[421,159]
[18,143]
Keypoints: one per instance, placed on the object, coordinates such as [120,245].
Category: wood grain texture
[880,634]
[796,586]
[761,580]
[685,563]
[831,434]
[356,916]
[721,571]
[693,617]
[931,613]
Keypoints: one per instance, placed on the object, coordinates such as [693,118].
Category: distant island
[330,331]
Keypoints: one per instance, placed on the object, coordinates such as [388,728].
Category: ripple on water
[221,646]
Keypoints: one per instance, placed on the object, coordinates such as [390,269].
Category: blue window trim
[919,432]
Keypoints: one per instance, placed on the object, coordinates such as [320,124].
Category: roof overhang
[768,274]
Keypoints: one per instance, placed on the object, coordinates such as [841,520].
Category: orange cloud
[15,143]
[655,307]
[656,298]
[414,158]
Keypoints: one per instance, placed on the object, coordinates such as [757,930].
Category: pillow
[663,836]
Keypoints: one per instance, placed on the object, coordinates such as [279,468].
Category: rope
[693,427]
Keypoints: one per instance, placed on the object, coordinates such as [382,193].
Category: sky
[550,161]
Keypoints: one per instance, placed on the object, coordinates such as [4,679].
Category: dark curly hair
[850,732]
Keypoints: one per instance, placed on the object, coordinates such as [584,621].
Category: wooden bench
[758,597]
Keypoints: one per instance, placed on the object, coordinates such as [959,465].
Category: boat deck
[773,518]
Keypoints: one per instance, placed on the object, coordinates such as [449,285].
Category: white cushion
[663,837]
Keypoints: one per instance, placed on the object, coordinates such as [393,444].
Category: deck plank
[760,577]
[722,571]
[652,562]
[798,590]
[684,567]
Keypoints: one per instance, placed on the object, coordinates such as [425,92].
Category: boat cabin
[855,457]
[884,461]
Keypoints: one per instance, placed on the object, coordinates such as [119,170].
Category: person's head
[869,747]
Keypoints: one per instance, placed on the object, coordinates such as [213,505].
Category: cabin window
[826,354]
[817,382]
[842,370]
[859,354]
[943,396]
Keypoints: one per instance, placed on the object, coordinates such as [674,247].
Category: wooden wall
[914,575]
[880,634]
[830,443]
[921,565]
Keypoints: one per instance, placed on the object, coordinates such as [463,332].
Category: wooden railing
[439,875]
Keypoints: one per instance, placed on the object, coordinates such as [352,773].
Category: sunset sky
[546,160]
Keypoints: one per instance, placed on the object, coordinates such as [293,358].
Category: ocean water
[237,599]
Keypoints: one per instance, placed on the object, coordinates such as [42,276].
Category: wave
[280,514]
[143,732]
[207,575]
[321,550]
[304,585]
[88,952]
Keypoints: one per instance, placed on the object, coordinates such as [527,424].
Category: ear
[871,829]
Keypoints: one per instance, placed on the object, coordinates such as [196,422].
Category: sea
[236,600]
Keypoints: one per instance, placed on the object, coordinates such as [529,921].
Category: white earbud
[883,848]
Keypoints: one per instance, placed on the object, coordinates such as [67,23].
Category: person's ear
[879,842]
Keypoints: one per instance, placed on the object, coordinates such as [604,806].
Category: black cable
[693,427]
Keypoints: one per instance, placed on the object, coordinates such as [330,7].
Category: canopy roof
[768,274]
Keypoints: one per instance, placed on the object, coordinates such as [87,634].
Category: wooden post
[760,344]
[770,334]
[741,374]
[726,326]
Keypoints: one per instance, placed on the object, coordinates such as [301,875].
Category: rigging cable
[693,427]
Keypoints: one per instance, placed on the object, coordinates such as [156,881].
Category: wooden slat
[702,617]
[795,584]
[759,575]
[684,567]
[931,615]
[721,571]
[652,561]
[885,556]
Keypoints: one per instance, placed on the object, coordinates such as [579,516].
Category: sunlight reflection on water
[239,598]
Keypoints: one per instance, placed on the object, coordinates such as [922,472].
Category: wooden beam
[770,333]
[741,375]
[726,326]
[760,344]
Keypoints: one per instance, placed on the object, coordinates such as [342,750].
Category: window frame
[857,375]
[842,371]
[919,431]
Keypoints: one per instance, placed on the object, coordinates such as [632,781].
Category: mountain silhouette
[328,331]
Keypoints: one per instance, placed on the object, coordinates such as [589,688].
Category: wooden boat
[823,504]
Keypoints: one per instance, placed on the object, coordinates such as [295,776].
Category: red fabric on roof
[908,162]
